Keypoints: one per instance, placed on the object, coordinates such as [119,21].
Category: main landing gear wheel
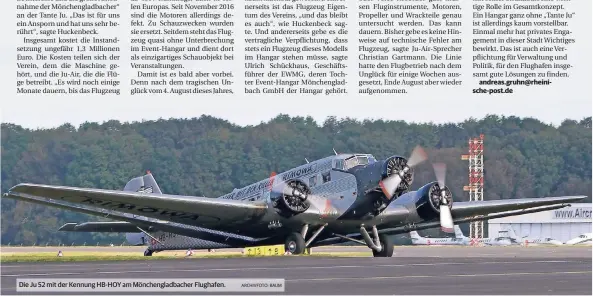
[386,247]
[147,252]
[295,243]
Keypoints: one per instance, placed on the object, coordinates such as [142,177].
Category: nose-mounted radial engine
[387,169]
[397,177]
[396,165]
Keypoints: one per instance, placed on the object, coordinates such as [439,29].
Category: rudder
[146,184]
[458,232]
[510,231]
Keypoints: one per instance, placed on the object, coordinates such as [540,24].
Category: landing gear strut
[147,252]
[386,247]
[382,246]
[295,242]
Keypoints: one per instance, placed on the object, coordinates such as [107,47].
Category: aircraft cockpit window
[582,236]
[350,163]
[358,160]
[363,160]
[548,239]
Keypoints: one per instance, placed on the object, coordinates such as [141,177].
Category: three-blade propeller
[440,170]
[390,184]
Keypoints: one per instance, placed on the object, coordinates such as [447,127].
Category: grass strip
[125,256]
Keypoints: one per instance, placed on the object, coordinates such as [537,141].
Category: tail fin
[458,232]
[414,234]
[146,184]
[511,231]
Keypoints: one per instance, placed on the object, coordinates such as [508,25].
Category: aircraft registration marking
[141,209]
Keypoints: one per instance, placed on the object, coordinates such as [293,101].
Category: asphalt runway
[400,251]
[412,270]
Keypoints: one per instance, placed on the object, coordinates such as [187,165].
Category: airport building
[562,224]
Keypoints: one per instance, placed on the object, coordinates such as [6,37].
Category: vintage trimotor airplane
[342,198]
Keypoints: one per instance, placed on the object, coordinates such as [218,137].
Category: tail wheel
[147,252]
[295,243]
[386,247]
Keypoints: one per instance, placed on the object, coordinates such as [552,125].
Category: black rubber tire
[386,247]
[295,243]
[147,252]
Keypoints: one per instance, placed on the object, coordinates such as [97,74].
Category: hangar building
[562,224]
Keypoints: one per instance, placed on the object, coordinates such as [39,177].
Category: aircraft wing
[189,210]
[464,212]
[474,208]
[141,223]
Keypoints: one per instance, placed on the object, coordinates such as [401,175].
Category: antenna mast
[476,180]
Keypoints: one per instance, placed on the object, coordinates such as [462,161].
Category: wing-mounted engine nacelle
[430,198]
[291,197]
[394,165]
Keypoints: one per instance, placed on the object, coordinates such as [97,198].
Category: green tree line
[208,156]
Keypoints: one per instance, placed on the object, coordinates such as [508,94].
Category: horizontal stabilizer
[68,227]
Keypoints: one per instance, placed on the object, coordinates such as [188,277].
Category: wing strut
[152,237]
[314,235]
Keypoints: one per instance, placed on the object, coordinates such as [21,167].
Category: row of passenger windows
[312,182]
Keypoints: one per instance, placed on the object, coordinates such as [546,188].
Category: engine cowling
[395,164]
[292,198]
[430,200]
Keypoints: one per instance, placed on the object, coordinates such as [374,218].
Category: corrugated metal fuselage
[344,199]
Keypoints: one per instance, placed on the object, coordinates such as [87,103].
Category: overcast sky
[565,98]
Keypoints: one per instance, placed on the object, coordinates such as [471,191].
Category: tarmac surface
[412,270]
[405,251]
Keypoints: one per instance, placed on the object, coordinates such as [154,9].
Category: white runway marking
[438,276]
[278,268]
